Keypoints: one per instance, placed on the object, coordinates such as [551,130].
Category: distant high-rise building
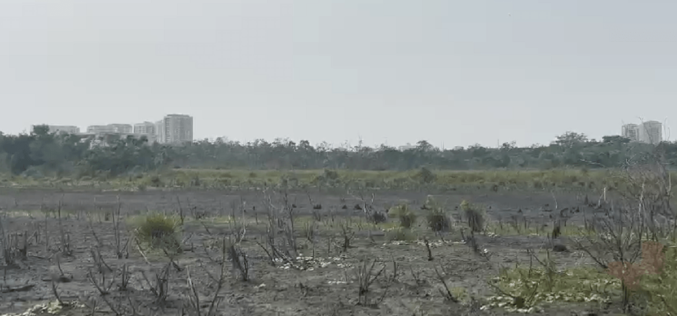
[630,131]
[146,129]
[159,131]
[122,128]
[110,129]
[100,129]
[175,129]
[651,132]
[68,129]
[406,147]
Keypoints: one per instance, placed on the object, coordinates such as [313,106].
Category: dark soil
[327,285]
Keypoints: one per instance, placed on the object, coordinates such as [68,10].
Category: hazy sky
[450,72]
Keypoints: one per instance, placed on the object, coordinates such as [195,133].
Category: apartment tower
[175,129]
[110,129]
[631,132]
[147,129]
[67,129]
[651,132]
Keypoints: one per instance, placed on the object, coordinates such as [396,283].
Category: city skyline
[664,128]
[451,72]
[649,131]
[172,128]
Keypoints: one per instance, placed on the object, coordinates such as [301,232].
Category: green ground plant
[399,234]
[658,280]
[159,232]
[506,229]
[435,180]
[437,218]
[475,215]
[405,216]
[524,288]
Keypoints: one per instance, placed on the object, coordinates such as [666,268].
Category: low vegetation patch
[437,218]
[159,232]
[405,216]
[649,285]
[523,289]
[475,215]
[473,180]
[400,234]
[656,280]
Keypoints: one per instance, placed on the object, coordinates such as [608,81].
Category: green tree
[571,139]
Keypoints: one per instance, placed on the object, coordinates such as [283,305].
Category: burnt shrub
[475,215]
[405,216]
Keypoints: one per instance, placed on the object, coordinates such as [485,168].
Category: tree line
[42,153]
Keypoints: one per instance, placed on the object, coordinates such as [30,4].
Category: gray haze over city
[454,73]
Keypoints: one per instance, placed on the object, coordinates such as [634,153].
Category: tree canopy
[40,152]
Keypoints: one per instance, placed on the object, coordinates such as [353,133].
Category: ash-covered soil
[325,281]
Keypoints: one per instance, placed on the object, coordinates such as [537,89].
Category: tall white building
[159,131]
[651,132]
[630,131]
[100,129]
[122,128]
[68,129]
[146,129]
[110,129]
[175,129]
[406,147]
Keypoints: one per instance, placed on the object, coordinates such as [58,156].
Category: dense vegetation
[42,153]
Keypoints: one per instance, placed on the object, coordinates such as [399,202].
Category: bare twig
[366,275]
[446,293]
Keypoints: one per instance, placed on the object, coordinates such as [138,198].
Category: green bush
[406,216]
[425,176]
[399,234]
[529,287]
[438,220]
[475,215]
[155,181]
[159,232]
[661,288]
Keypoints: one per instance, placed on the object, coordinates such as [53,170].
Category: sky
[454,73]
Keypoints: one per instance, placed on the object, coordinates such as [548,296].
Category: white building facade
[100,129]
[630,131]
[175,129]
[67,129]
[651,132]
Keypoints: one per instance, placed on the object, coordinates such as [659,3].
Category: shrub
[399,234]
[528,287]
[377,217]
[156,181]
[160,232]
[425,176]
[330,174]
[474,214]
[195,181]
[659,279]
[406,216]
[437,218]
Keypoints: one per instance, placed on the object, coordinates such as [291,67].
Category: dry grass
[490,180]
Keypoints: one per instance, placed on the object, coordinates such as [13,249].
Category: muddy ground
[325,285]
